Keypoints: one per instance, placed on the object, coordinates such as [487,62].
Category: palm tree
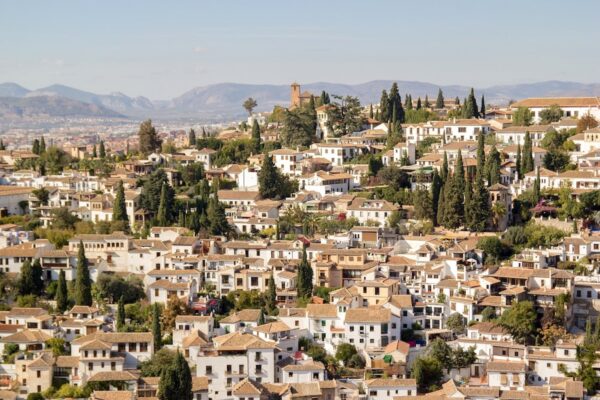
[498,212]
[311,224]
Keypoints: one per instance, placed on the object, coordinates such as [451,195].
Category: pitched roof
[247,315]
[368,315]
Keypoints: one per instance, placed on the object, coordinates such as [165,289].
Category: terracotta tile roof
[26,336]
[247,315]
[506,366]
[371,383]
[559,101]
[272,327]
[104,376]
[240,341]
[368,315]
[321,310]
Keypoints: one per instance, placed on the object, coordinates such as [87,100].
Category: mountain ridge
[224,100]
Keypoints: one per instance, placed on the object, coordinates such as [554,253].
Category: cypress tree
[459,173]
[419,103]
[162,218]
[480,152]
[36,277]
[271,300]
[527,155]
[176,380]
[457,101]
[156,332]
[120,314]
[384,111]
[518,162]
[26,285]
[181,218]
[439,102]
[255,137]
[304,277]
[408,102]
[216,218]
[35,147]
[371,111]
[42,145]
[482,111]
[395,103]
[440,206]
[192,138]
[2,146]
[426,104]
[102,150]
[454,207]
[61,293]
[493,169]
[479,210]
[148,138]
[468,196]
[436,189]
[94,152]
[261,317]
[83,284]
[269,179]
[444,172]
[119,207]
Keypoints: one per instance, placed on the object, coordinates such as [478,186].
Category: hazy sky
[161,49]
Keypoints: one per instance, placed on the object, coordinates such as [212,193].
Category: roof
[381,382]
[397,345]
[368,315]
[321,310]
[248,315]
[116,337]
[238,195]
[240,341]
[272,327]
[27,336]
[559,101]
[113,395]
[506,366]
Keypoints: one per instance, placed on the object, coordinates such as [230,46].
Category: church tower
[295,95]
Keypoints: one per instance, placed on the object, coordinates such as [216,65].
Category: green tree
[62,296]
[518,163]
[255,137]
[344,115]
[249,105]
[273,184]
[471,110]
[492,169]
[423,204]
[428,372]
[552,114]
[456,323]
[298,128]
[42,145]
[395,103]
[520,321]
[119,207]
[304,277]
[482,110]
[161,360]
[384,110]
[436,191]
[522,116]
[35,147]
[102,150]
[176,381]
[271,296]
[26,285]
[218,224]
[345,352]
[83,284]
[527,156]
[162,215]
[192,138]
[439,102]
[488,314]
[149,141]
[156,332]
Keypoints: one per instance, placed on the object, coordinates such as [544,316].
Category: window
[209,370]
[39,374]
[143,347]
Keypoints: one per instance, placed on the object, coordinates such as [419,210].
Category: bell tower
[295,95]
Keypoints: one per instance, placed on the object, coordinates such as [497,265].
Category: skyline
[162,50]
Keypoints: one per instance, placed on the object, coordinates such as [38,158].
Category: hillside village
[428,248]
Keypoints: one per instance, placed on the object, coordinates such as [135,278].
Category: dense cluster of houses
[388,294]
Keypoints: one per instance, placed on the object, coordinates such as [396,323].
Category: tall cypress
[493,168]
[304,277]
[119,207]
[36,277]
[35,146]
[419,103]
[527,156]
[459,172]
[440,207]
[61,293]
[536,187]
[83,283]
[102,150]
[371,111]
[467,206]
[192,138]
[384,111]
[156,332]
[176,380]
[426,104]
[482,111]
[271,299]
[255,137]
[436,188]
[480,152]
[395,103]
[42,145]
[444,171]
[26,285]
[217,220]
[439,102]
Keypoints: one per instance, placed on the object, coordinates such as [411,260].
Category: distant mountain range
[223,101]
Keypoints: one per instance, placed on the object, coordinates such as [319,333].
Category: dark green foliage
[345,352]
[298,128]
[470,109]
[384,107]
[176,380]
[163,216]
[62,295]
[271,296]
[488,314]
[495,250]
[522,117]
[304,277]
[556,160]
[215,214]
[552,114]
[492,168]
[119,208]
[436,189]
[255,137]
[272,183]
[395,104]
[423,204]
[30,279]
[375,165]
[439,102]
[527,156]
[113,287]
[35,147]
[83,283]
[102,150]
[148,138]
[520,321]
[428,372]
[192,138]
[192,174]
[345,115]
[161,359]
[518,163]
[151,190]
